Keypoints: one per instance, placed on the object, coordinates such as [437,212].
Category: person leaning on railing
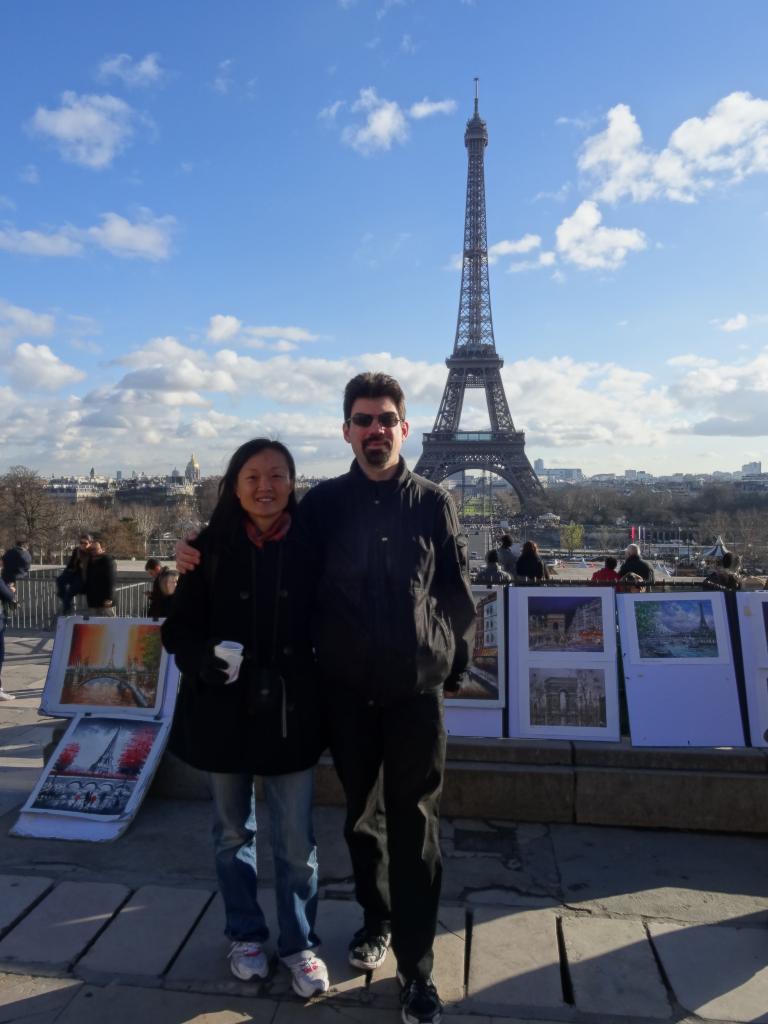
[529,566]
[7,600]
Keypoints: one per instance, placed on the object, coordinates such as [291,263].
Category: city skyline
[209,223]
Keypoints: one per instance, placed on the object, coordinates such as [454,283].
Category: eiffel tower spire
[475,363]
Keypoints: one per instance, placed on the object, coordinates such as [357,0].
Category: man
[393,626]
[634,563]
[507,558]
[160,596]
[608,573]
[100,579]
[16,562]
[725,575]
[72,580]
[491,575]
[7,601]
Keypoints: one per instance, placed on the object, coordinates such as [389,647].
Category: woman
[529,565]
[251,588]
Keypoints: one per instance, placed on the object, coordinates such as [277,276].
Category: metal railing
[38,606]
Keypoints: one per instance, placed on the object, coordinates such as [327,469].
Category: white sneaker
[309,975]
[4,695]
[248,960]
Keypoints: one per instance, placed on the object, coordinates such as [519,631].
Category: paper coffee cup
[231,652]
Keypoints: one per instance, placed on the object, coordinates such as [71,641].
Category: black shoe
[420,1002]
[368,949]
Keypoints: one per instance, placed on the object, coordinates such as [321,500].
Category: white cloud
[427,108]
[407,45]
[223,81]
[37,367]
[329,113]
[88,130]
[727,399]
[542,261]
[513,248]
[385,124]
[148,238]
[19,322]
[286,333]
[222,328]
[582,241]
[132,73]
[284,346]
[38,243]
[29,175]
[727,145]
[736,323]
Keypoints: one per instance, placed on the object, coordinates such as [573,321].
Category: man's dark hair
[153,563]
[228,513]
[506,541]
[492,557]
[21,542]
[611,562]
[85,536]
[373,385]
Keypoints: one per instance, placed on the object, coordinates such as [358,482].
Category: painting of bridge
[114,664]
[96,767]
[676,629]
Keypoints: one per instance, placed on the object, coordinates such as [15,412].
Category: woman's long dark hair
[228,514]
[530,548]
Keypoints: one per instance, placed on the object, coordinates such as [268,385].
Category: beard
[378,455]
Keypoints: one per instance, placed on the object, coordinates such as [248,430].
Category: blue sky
[211,216]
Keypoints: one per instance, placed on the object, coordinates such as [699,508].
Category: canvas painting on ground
[676,629]
[484,684]
[113,664]
[97,768]
[561,623]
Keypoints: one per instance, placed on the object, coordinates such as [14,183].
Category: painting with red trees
[136,751]
[66,757]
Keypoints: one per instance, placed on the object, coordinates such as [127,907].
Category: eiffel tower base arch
[505,458]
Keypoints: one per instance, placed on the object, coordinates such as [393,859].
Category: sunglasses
[365,419]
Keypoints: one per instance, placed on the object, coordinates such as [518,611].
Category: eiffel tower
[475,362]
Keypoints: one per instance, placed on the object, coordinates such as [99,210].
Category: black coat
[234,595]
[636,564]
[395,614]
[531,567]
[16,563]
[100,580]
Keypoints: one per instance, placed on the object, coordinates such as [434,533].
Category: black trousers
[390,761]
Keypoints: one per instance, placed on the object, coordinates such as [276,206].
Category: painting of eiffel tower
[475,363]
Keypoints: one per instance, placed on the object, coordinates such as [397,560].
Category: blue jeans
[289,800]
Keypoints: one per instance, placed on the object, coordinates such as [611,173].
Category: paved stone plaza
[538,922]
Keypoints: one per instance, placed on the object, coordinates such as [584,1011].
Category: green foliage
[572,537]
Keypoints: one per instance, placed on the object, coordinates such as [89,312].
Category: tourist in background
[100,579]
[507,558]
[529,567]
[634,563]
[724,576]
[71,581]
[16,562]
[491,575]
[7,600]
[608,573]
[160,595]
[251,588]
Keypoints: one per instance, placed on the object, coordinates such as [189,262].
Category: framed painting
[484,685]
[686,629]
[115,666]
[753,627]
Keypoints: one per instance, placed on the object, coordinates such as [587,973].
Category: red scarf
[276,531]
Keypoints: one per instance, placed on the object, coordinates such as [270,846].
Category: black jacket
[234,595]
[159,603]
[395,614]
[492,576]
[636,564]
[531,567]
[16,563]
[100,579]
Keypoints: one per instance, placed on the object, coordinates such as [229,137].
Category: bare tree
[27,507]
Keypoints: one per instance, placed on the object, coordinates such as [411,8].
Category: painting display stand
[753,627]
[562,664]
[477,709]
[678,669]
[115,681]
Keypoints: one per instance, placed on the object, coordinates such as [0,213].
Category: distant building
[119,475]
[192,472]
[538,466]
[752,469]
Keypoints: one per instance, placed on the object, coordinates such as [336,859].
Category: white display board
[753,627]
[476,708]
[562,663]
[678,670]
[117,683]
